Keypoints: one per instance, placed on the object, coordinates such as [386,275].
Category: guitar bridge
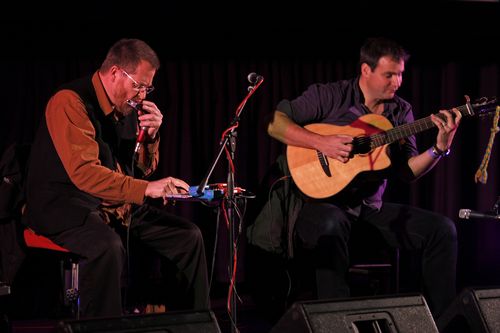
[323,160]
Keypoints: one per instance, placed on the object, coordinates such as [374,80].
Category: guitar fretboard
[405,130]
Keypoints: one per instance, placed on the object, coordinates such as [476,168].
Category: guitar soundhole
[361,145]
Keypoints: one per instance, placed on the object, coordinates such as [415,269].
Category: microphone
[467,213]
[254,78]
[141,137]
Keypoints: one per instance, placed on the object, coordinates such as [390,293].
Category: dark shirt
[340,103]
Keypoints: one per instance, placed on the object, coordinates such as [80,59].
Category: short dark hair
[128,53]
[377,47]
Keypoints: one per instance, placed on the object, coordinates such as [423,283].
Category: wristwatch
[435,152]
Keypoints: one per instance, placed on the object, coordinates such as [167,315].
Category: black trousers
[325,229]
[103,252]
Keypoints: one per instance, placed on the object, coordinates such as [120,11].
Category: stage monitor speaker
[472,311]
[173,322]
[387,314]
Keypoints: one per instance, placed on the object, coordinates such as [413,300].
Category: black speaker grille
[390,314]
[473,311]
[489,303]
[174,322]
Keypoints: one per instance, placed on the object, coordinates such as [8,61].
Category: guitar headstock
[481,106]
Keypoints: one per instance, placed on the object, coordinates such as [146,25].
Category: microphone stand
[228,143]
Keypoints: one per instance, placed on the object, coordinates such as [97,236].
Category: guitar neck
[400,132]
[406,130]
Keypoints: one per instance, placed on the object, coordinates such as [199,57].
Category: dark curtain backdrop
[206,56]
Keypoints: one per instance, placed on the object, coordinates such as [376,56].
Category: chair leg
[396,270]
[71,291]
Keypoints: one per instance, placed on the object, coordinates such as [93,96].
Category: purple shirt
[340,103]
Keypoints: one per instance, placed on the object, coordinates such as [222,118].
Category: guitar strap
[353,109]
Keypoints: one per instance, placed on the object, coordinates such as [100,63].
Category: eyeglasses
[137,86]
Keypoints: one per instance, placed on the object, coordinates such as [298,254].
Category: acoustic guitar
[319,176]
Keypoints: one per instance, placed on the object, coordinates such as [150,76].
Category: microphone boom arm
[228,134]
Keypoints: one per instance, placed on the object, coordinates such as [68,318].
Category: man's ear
[365,69]
[114,71]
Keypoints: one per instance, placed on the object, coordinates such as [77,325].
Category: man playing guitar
[323,224]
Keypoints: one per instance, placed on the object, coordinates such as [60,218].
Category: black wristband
[436,152]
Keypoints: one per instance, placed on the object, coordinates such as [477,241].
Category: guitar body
[309,174]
